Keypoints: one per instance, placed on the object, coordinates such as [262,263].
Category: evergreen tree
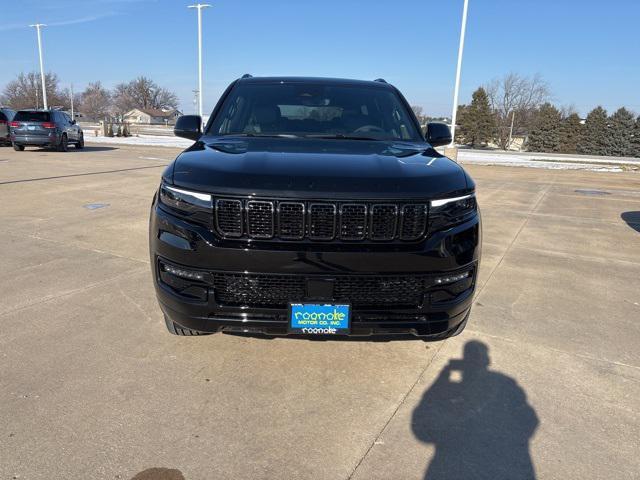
[635,141]
[621,126]
[570,132]
[477,121]
[545,134]
[595,134]
[461,122]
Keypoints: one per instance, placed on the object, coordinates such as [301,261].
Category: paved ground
[91,385]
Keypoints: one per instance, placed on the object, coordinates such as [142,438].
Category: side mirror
[438,134]
[188,126]
[73,122]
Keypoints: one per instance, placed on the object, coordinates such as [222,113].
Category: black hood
[315,168]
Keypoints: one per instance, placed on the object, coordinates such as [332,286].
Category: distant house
[148,116]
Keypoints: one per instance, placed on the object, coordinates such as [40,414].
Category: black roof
[316,80]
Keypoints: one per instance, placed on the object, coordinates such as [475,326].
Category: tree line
[517,106]
[95,102]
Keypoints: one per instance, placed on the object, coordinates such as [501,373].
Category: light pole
[199,6]
[38,26]
[456,90]
[72,113]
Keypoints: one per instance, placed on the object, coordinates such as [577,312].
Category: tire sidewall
[64,144]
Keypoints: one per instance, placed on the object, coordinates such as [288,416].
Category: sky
[586,50]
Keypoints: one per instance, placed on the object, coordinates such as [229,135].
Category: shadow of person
[478,420]
[159,474]
[632,219]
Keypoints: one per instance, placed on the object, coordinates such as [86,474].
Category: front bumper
[198,306]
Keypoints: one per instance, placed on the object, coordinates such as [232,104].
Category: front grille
[362,291]
[320,221]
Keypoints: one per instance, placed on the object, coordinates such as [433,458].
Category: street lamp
[456,90]
[199,6]
[38,26]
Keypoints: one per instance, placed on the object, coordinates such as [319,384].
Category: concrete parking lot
[544,383]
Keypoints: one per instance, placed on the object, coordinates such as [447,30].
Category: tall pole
[456,90]
[38,26]
[72,116]
[199,6]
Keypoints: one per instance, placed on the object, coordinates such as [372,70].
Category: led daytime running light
[180,272]
[444,201]
[451,278]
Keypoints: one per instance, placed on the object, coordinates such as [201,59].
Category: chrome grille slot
[413,221]
[353,221]
[260,219]
[384,218]
[291,220]
[229,217]
[322,221]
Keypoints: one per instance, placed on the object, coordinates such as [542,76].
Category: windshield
[314,110]
[27,116]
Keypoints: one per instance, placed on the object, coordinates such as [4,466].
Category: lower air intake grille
[276,291]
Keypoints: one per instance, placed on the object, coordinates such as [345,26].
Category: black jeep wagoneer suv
[314,206]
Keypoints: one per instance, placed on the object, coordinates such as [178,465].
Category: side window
[232,115]
[3,117]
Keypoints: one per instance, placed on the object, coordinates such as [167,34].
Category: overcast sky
[586,49]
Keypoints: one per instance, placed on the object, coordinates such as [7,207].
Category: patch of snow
[551,162]
[142,140]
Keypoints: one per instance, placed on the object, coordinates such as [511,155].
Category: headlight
[194,206]
[448,212]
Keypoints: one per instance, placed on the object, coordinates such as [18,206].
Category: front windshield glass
[314,110]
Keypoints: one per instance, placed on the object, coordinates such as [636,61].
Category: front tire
[175,329]
[63,146]
[80,144]
[18,148]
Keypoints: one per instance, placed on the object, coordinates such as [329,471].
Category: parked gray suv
[6,115]
[45,128]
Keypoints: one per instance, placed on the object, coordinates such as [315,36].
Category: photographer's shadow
[478,420]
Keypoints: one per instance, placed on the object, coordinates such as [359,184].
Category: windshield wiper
[262,135]
[340,136]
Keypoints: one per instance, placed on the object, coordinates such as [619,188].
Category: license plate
[32,127]
[319,318]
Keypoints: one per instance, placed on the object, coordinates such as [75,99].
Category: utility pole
[38,26]
[72,116]
[199,6]
[456,90]
[195,100]
[513,116]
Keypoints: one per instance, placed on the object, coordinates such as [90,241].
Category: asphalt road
[544,383]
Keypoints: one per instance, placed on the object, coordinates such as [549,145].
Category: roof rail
[247,75]
[381,80]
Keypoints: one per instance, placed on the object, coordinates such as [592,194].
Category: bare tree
[142,93]
[516,97]
[26,92]
[95,101]
[419,113]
